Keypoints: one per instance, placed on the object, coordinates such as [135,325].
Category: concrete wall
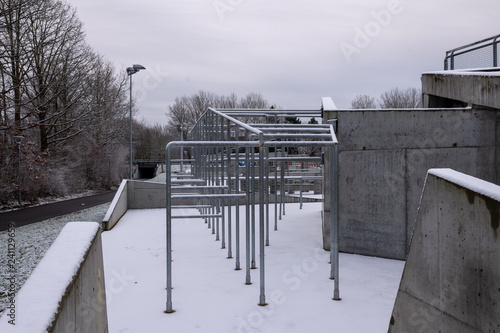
[451,280]
[146,195]
[118,207]
[149,195]
[477,87]
[384,156]
[134,195]
[84,306]
[65,293]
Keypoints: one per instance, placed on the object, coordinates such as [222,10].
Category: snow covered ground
[210,296]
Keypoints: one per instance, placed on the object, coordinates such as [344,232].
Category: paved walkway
[39,213]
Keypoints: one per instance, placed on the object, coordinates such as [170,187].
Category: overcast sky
[293,52]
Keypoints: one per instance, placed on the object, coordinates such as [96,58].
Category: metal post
[276,192]
[282,188]
[301,181]
[247,222]
[262,298]
[266,173]
[130,150]
[169,233]
[495,51]
[182,150]
[131,71]
[237,189]
[230,191]
[252,182]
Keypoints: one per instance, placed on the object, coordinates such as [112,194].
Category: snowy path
[210,296]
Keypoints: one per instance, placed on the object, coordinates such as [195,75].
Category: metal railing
[480,54]
[227,152]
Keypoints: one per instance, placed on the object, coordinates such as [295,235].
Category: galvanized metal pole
[237,189]
[301,181]
[262,298]
[247,222]
[169,232]
[252,181]
[130,150]
[495,51]
[266,173]
[230,190]
[276,193]
[182,150]
[282,189]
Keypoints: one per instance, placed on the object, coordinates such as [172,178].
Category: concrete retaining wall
[451,280]
[384,156]
[134,195]
[146,195]
[478,87]
[118,207]
[149,195]
[66,291]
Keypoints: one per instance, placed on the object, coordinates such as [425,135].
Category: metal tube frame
[211,148]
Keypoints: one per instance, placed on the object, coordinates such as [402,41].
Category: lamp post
[18,139]
[131,71]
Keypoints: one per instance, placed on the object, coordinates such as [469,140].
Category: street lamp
[131,71]
[18,139]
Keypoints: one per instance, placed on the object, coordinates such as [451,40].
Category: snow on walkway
[210,296]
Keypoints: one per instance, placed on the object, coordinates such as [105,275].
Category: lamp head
[18,139]
[134,69]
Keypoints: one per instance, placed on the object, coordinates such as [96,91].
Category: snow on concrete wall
[451,280]
[48,300]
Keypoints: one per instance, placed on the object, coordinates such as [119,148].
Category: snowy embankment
[210,296]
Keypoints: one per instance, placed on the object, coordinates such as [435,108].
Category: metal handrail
[492,41]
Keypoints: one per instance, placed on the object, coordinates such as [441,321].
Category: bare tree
[254,101]
[186,110]
[363,102]
[13,31]
[400,99]
[59,61]
[69,104]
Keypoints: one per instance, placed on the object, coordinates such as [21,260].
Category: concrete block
[479,88]
[66,291]
[451,282]
[147,195]
[415,128]
[383,159]
[369,183]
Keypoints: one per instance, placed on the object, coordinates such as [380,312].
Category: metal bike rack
[228,152]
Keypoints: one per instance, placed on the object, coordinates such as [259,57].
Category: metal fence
[228,152]
[481,54]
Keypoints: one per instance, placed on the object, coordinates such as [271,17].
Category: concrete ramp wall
[451,280]
[149,195]
[384,156]
[66,291]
